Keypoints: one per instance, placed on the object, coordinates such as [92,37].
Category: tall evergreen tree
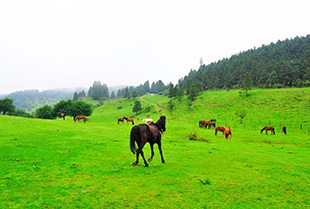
[112,95]
[137,107]
[247,83]
[75,97]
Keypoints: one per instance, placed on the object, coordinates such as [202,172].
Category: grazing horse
[121,119]
[208,123]
[268,128]
[129,120]
[228,132]
[148,121]
[142,133]
[284,130]
[219,128]
[80,118]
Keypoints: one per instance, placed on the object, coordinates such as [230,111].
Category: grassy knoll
[62,164]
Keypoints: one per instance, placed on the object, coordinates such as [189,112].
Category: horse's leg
[139,151]
[161,152]
[152,153]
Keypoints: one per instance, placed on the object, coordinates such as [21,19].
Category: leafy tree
[134,94]
[62,107]
[6,105]
[80,108]
[20,113]
[241,114]
[137,107]
[247,83]
[44,112]
[75,97]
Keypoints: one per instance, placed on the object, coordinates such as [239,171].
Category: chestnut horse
[268,128]
[228,132]
[142,133]
[80,118]
[121,119]
[129,120]
[219,128]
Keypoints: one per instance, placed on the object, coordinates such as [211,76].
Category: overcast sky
[53,44]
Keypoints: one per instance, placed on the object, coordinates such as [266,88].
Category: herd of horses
[152,132]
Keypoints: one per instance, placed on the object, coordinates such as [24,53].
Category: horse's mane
[263,128]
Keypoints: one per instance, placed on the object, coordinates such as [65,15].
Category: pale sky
[54,44]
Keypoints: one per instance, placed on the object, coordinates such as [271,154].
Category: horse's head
[161,123]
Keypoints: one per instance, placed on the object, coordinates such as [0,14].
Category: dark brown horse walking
[142,133]
[268,128]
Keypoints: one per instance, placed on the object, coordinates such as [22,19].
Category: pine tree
[75,97]
[247,83]
[137,107]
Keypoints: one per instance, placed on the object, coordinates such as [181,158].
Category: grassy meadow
[62,164]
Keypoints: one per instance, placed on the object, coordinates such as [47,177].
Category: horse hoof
[149,160]
[163,161]
[134,164]
[146,165]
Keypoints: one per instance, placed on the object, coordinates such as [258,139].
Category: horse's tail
[135,132]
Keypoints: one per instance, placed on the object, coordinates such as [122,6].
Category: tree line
[58,110]
[282,64]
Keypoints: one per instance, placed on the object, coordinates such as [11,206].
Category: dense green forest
[277,65]
[283,64]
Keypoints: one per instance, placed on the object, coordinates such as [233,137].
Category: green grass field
[62,164]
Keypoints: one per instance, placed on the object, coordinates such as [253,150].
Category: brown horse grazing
[142,133]
[208,123]
[284,130]
[219,128]
[80,118]
[121,119]
[268,128]
[129,120]
[228,132]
